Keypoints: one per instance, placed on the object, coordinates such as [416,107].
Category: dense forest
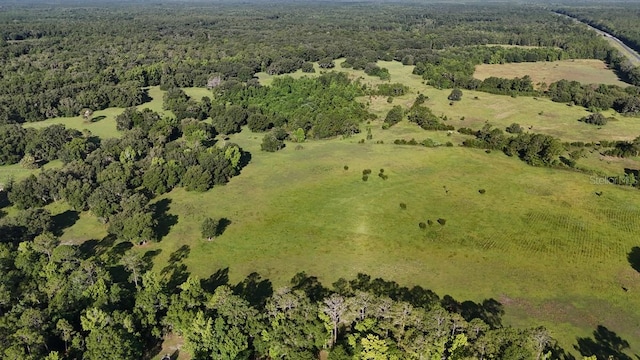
[59,62]
[92,301]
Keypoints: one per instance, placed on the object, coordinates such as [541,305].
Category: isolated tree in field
[210,228]
[456,95]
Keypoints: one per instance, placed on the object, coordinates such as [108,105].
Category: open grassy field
[586,71]
[539,240]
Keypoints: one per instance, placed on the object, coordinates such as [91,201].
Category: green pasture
[537,239]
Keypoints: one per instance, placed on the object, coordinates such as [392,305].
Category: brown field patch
[586,71]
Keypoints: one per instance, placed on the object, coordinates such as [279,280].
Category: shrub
[346,167]
[381,171]
[366,171]
[430,222]
[466,131]
[403,206]
[299,147]
[422,225]
[482,191]
[390,99]
[594,119]
[514,129]
[271,144]
[365,177]
[449,144]
[488,151]
[442,221]
[456,95]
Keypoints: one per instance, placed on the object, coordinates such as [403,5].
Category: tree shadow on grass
[165,220]
[176,272]
[219,278]
[634,258]
[490,310]
[95,119]
[64,220]
[605,344]
[222,226]
[94,247]
[255,290]
[310,285]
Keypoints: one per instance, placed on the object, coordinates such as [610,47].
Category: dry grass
[586,71]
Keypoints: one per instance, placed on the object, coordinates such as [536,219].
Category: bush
[430,222]
[271,144]
[449,144]
[594,119]
[466,131]
[514,129]
[390,99]
[403,206]
[482,191]
[346,167]
[299,147]
[422,225]
[381,171]
[366,171]
[456,95]
[365,177]
[442,221]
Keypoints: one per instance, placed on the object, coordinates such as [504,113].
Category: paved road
[626,51]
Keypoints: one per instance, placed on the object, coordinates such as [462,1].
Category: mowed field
[586,71]
[539,240]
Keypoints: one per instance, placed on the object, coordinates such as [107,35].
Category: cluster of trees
[534,149]
[116,178]
[626,101]
[322,107]
[424,117]
[624,148]
[36,147]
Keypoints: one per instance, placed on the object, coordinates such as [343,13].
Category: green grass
[17,172]
[103,124]
[198,93]
[538,238]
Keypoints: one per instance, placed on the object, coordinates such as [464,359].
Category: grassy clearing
[17,172]
[586,71]
[537,238]
[103,123]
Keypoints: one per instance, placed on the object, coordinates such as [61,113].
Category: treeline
[53,64]
[116,178]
